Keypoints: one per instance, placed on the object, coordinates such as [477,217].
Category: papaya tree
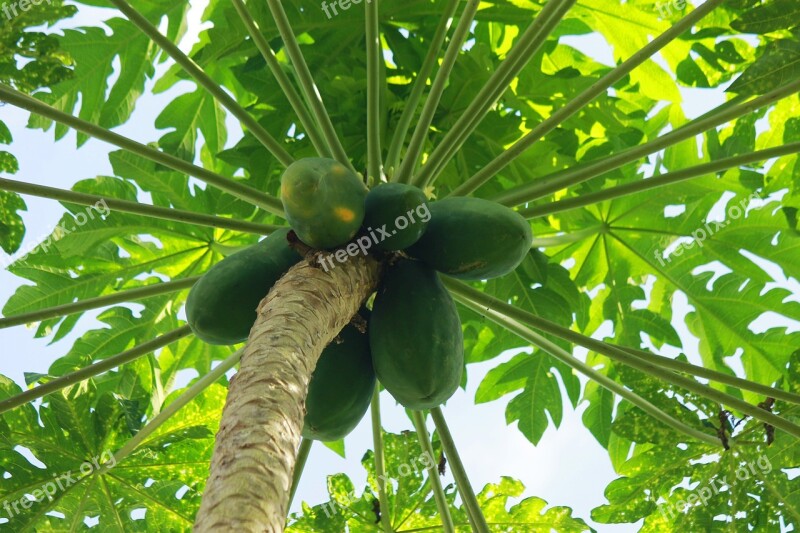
[417,186]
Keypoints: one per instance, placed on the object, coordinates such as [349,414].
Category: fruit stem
[420,83]
[299,466]
[380,468]
[176,405]
[306,82]
[136,208]
[483,300]
[248,194]
[566,238]
[224,249]
[583,99]
[294,98]
[433,473]
[95,369]
[520,55]
[663,180]
[374,58]
[203,79]
[673,364]
[474,512]
[604,381]
[417,143]
[72,308]
[712,375]
[578,174]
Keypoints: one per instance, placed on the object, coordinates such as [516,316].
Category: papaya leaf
[694,488]
[413,506]
[769,17]
[12,227]
[777,66]
[53,471]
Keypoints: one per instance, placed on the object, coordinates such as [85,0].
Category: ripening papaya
[323,201]
[341,387]
[221,307]
[399,213]
[473,239]
[415,337]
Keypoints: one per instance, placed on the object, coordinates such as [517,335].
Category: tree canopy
[611,251]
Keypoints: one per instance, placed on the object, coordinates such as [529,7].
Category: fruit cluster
[413,343]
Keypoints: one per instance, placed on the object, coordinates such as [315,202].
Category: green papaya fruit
[341,387]
[415,337]
[398,213]
[221,307]
[323,201]
[473,239]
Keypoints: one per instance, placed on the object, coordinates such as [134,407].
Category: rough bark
[255,450]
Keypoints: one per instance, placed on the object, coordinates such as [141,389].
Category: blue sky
[568,467]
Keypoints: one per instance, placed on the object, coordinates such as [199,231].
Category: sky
[568,467]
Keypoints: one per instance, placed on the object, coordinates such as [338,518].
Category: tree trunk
[255,450]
